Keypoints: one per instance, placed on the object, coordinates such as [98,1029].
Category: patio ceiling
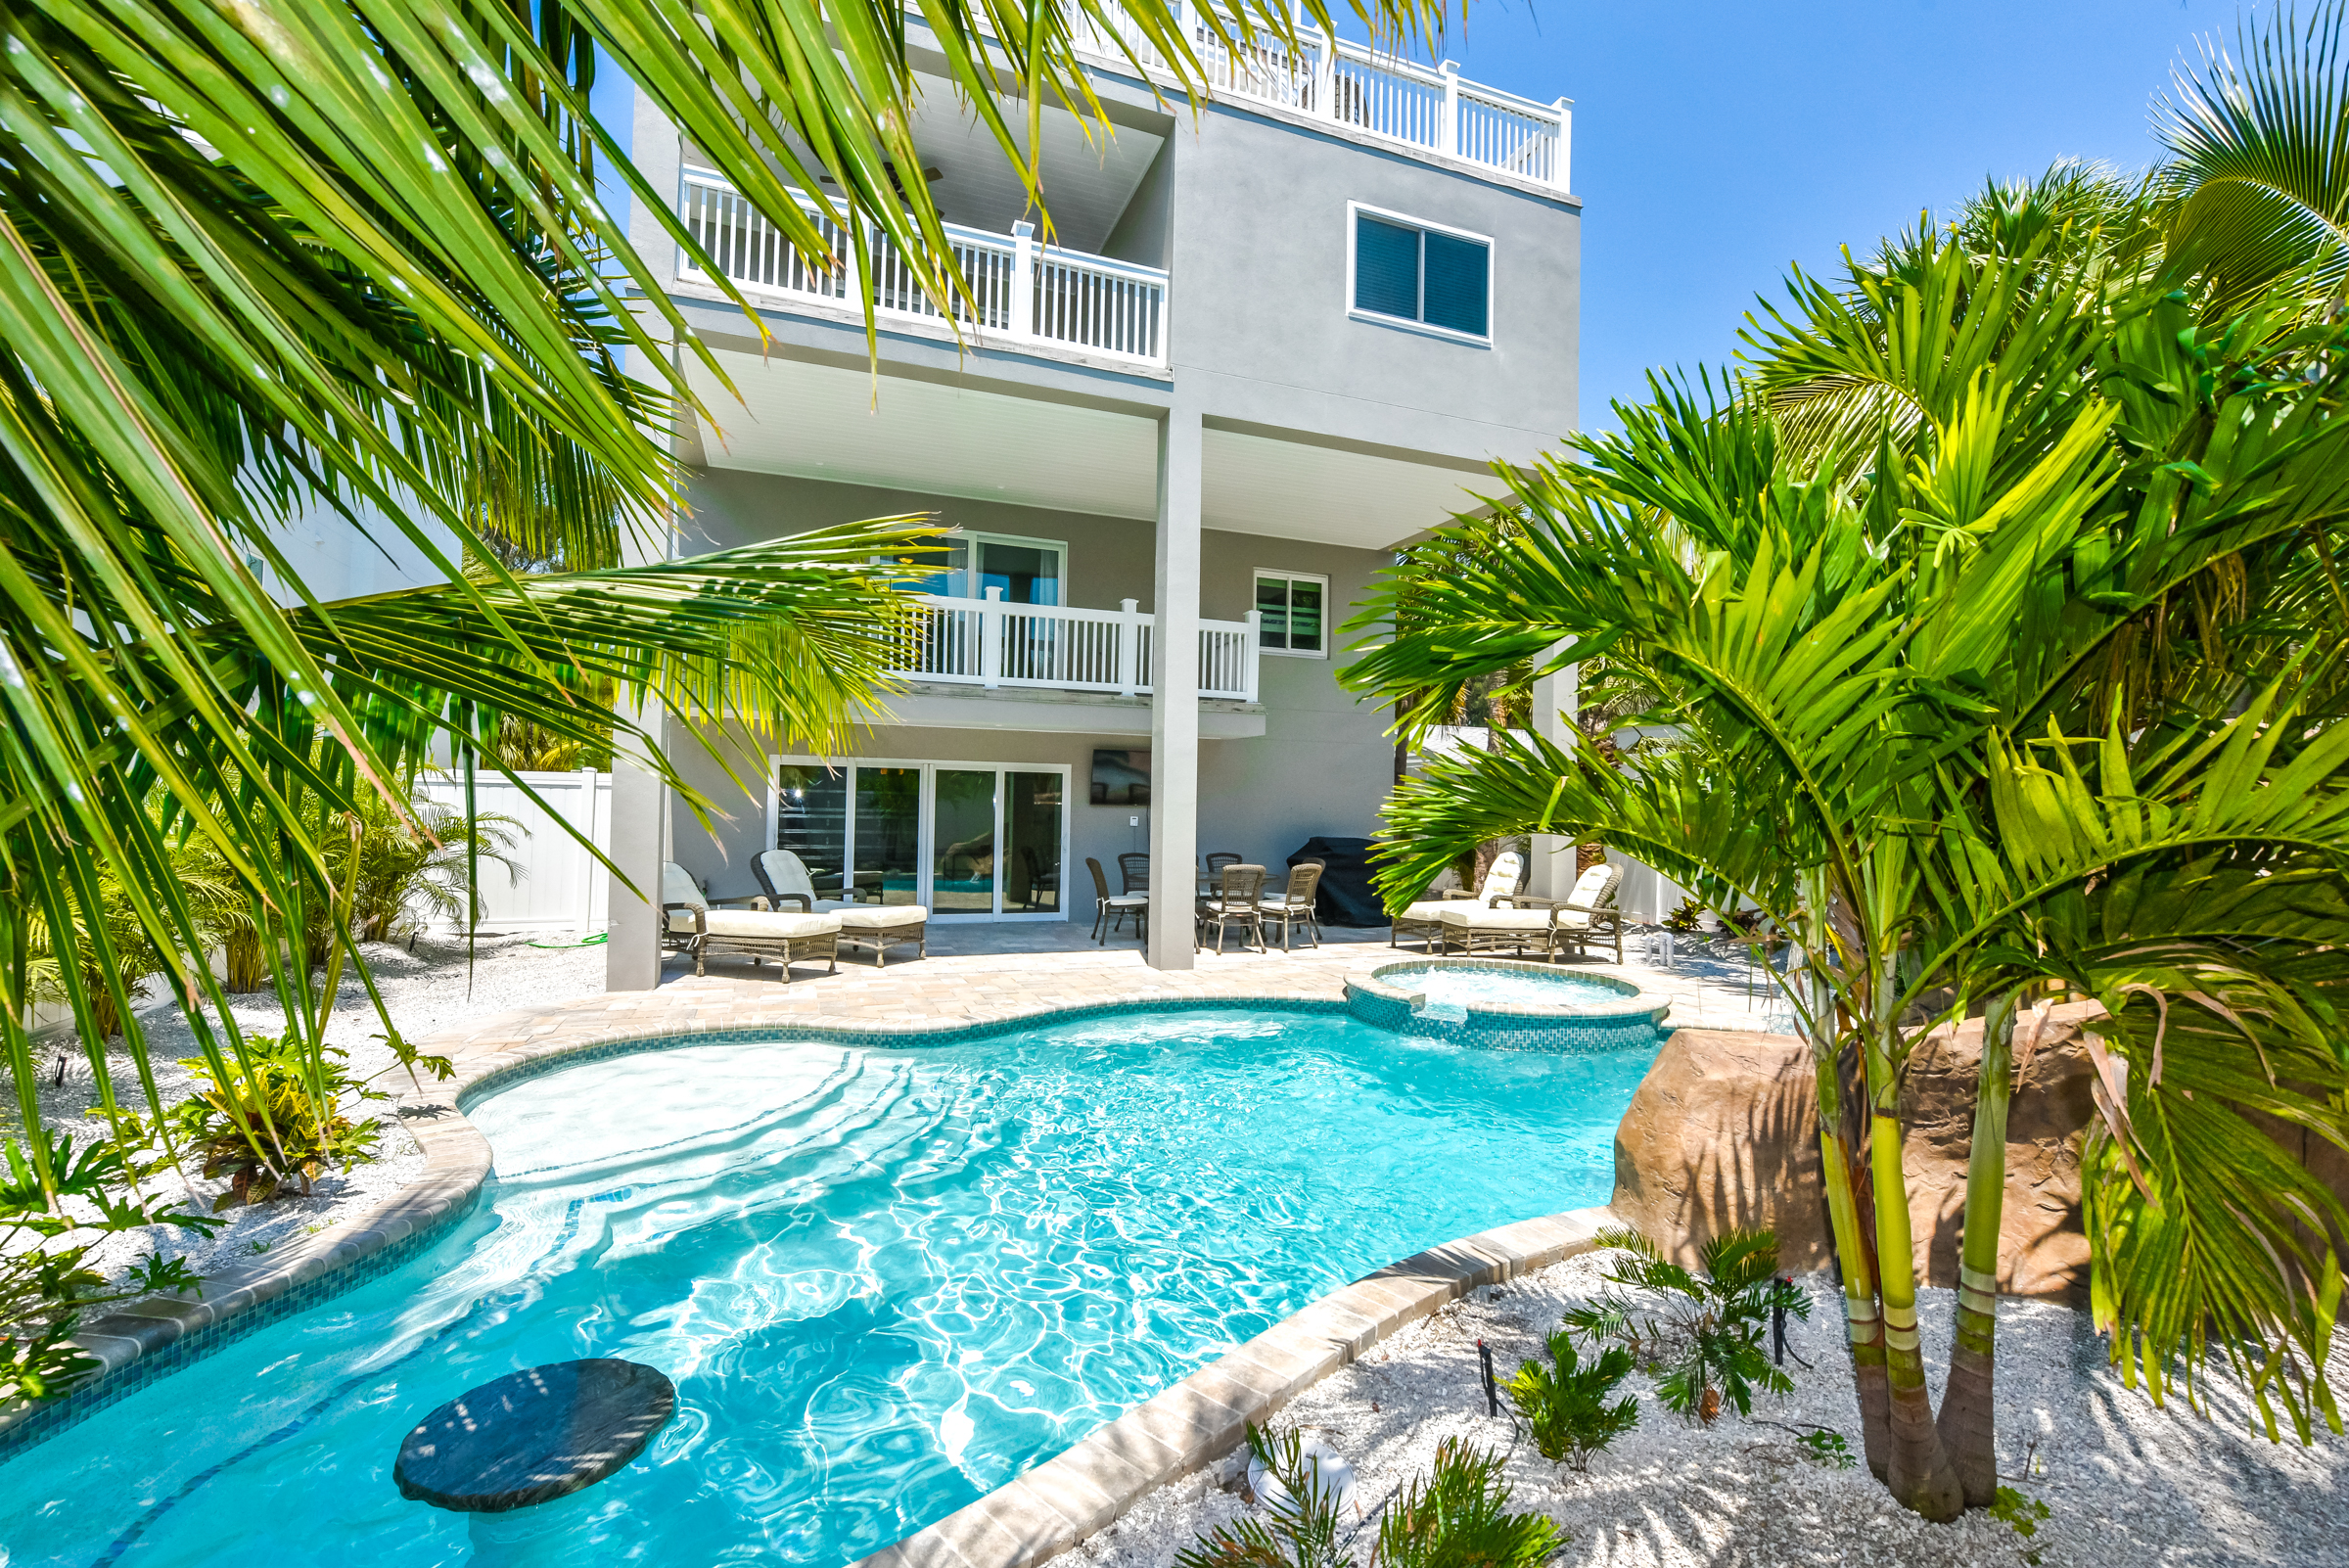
[817,421]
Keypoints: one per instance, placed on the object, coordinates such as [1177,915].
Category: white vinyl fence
[561,886]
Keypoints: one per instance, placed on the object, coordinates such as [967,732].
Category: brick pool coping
[1204,1417]
[152,1338]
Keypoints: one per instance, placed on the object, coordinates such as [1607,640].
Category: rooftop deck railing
[1391,98]
[1021,292]
[989,642]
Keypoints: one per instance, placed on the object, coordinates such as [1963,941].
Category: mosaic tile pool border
[155,1338]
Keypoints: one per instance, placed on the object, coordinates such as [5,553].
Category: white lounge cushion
[679,887]
[1590,888]
[1476,917]
[1501,877]
[879,916]
[1428,911]
[758,923]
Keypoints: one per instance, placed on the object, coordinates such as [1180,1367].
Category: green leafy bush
[2020,1512]
[261,1128]
[1565,1406]
[1705,1334]
[46,1282]
[1830,1448]
[1457,1517]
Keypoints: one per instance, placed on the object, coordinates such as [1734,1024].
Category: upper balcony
[1022,295]
[1380,94]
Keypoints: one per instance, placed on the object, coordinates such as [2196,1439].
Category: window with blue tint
[1452,295]
[1386,268]
[1414,272]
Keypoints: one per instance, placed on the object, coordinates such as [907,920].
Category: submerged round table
[533,1436]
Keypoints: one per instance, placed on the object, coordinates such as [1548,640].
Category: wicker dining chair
[1134,868]
[1217,861]
[1110,909]
[1296,903]
[1237,901]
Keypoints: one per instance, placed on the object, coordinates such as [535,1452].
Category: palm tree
[1993,614]
[350,259]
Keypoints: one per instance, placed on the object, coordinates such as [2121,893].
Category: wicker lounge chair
[1589,912]
[877,927]
[690,923]
[1236,902]
[1424,919]
[1110,909]
[1296,903]
[1521,921]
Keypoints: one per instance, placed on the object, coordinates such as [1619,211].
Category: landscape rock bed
[426,990]
[2124,1483]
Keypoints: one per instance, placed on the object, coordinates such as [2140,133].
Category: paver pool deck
[982,974]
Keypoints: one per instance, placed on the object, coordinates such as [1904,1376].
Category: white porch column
[639,825]
[639,843]
[1174,695]
[1556,702]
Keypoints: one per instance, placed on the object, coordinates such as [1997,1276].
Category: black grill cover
[1345,898]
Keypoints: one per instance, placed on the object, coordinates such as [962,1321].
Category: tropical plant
[1459,1514]
[261,1129]
[1302,1521]
[425,862]
[1456,1515]
[1995,619]
[46,1282]
[112,968]
[1704,1327]
[1565,1404]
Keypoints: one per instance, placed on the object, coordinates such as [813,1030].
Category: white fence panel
[561,886]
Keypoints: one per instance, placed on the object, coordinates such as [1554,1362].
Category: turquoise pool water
[885,1280]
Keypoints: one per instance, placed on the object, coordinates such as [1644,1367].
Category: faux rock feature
[1723,1133]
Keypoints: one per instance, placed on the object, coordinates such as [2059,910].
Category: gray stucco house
[1269,341]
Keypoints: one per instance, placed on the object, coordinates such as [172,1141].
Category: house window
[1027,571]
[1437,278]
[1292,614]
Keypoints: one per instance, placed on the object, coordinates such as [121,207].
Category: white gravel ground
[2124,1483]
[426,990]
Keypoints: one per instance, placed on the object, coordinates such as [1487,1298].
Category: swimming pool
[884,1279]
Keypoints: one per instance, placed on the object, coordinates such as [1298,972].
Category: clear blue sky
[1717,143]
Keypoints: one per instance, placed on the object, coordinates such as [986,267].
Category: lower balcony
[993,643]
[1022,294]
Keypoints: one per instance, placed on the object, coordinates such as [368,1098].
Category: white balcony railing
[1021,292]
[1389,97]
[988,643]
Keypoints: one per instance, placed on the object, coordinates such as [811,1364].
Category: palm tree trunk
[1968,1427]
[1864,1323]
[1920,1475]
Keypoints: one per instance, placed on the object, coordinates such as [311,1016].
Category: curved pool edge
[1638,1001]
[1090,1485]
[151,1339]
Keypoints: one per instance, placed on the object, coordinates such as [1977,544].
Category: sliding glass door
[966,840]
